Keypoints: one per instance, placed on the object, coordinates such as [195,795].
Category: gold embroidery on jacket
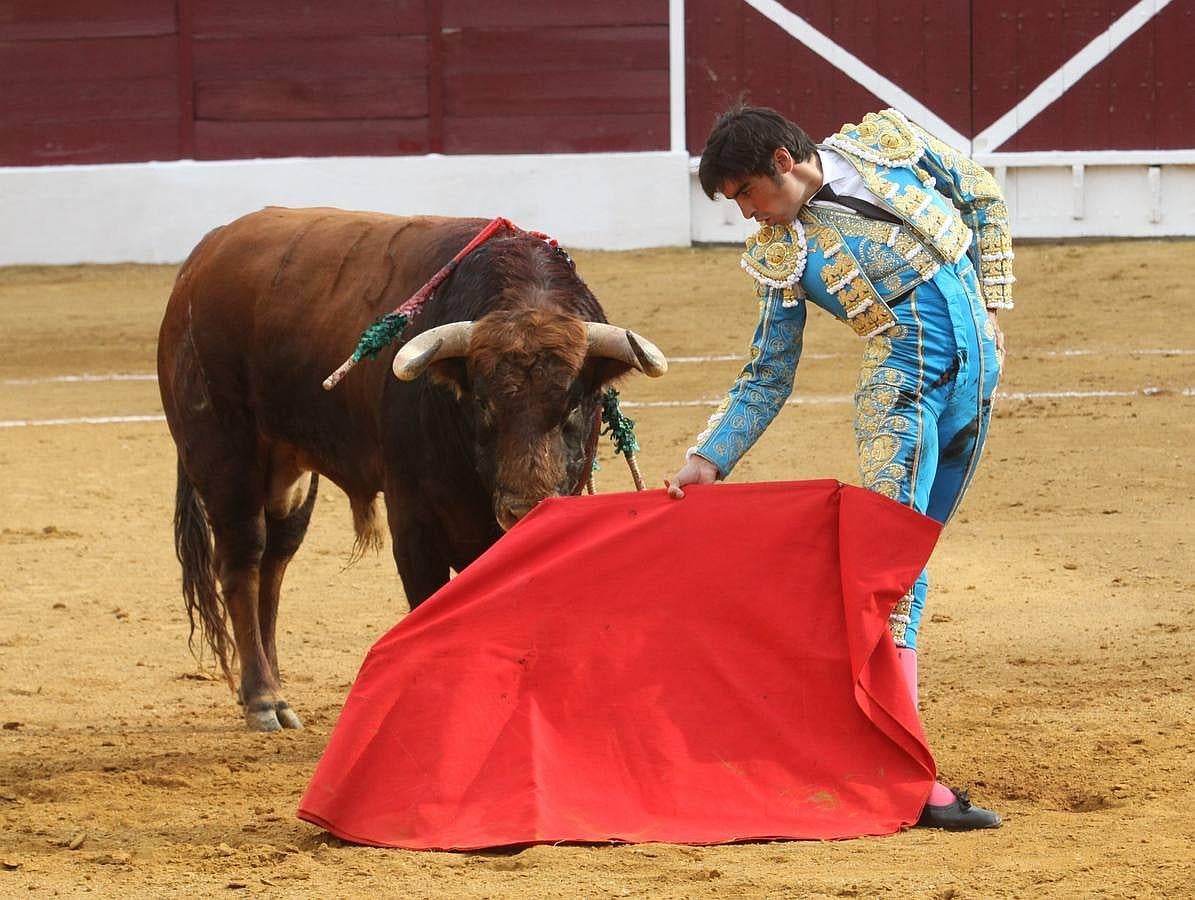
[886,137]
[844,279]
[887,140]
[973,178]
[937,222]
[873,320]
[775,255]
[879,433]
[884,249]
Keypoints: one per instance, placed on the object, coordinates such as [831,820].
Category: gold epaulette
[885,138]
[775,255]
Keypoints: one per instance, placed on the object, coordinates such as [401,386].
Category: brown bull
[516,354]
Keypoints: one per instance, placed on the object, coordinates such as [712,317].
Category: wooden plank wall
[295,78]
[134,80]
[734,53]
[82,86]
[1140,97]
[585,76]
[969,62]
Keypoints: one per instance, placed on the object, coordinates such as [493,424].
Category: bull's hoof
[287,717]
[271,715]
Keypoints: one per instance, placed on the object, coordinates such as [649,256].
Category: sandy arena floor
[1057,662]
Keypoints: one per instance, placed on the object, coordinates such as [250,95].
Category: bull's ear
[601,371]
[451,372]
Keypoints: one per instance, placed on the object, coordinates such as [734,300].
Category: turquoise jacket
[950,208]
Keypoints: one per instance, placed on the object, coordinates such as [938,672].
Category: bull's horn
[441,342]
[613,342]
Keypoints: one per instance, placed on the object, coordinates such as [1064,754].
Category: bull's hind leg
[236,503]
[221,461]
[240,546]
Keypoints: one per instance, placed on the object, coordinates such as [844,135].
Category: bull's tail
[205,603]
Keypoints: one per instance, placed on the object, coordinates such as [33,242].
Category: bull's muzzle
[508,510]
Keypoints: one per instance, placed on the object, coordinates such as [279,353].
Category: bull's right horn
[441,342]
[612,342]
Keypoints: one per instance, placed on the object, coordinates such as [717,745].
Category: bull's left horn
[612,342]
[441,342]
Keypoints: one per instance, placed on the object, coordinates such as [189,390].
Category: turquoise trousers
[923,406]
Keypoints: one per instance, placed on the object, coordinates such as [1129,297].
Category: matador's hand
[999,336]
[696,470]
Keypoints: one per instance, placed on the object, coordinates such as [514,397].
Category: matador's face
[776,199]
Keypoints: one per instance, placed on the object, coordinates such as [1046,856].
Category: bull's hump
[297,217]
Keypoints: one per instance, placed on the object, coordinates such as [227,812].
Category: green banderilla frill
[374,339]
[378,336]
[619,427]
[622,433]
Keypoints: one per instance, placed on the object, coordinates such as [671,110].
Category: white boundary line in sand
[1151,351]
[1012,396]
[81,420]
[84,377]
[89,377]
[1006,396]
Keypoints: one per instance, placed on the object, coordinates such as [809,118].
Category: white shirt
[844,179]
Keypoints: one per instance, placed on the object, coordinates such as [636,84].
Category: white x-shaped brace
[996,134]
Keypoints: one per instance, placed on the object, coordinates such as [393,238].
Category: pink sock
[940,795]
[908,670]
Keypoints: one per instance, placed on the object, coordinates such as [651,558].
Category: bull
[515,352]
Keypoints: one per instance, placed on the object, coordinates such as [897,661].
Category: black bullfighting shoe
[958,816]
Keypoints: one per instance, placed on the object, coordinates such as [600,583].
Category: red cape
[627,667]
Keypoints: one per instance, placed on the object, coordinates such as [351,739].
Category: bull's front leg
[422,570]
[418,553]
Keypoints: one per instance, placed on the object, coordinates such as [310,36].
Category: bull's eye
[573,419]
[485,413]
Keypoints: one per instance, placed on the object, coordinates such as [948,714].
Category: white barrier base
[156,212]
[1139,193]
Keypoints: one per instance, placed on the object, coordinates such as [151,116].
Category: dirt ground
[1057,658]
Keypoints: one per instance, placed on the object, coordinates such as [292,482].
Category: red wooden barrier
[734,52]
[131,80]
